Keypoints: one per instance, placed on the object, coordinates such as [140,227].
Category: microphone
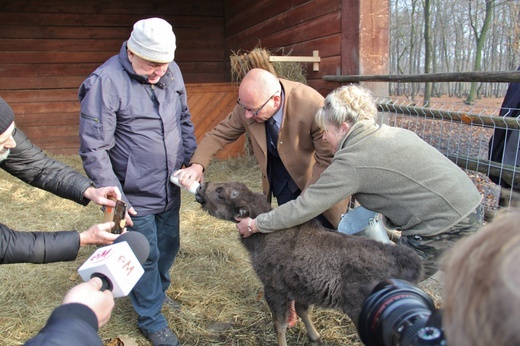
[119,266]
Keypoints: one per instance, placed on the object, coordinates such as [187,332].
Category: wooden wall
[351,35]
[47,48]
[50,117]
[300,26]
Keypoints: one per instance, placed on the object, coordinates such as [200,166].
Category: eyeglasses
[255,113]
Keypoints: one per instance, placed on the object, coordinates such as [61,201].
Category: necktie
[272,127]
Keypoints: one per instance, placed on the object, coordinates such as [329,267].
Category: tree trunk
[480,38]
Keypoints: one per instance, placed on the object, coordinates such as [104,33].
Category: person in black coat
[24,160]
[47,247]
[84,310]
[503,145]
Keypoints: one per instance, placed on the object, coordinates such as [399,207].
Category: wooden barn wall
[283,26]
[341,30]
[47,48]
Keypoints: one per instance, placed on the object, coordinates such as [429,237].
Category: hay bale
[243,61]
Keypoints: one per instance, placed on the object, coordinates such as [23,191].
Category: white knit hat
[153,39]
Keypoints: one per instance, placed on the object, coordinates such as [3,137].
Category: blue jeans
[162,231]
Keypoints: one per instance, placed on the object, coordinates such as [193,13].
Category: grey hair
[350,104]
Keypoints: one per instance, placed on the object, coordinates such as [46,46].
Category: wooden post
[365,41]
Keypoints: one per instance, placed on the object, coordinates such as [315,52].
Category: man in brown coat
[288,163]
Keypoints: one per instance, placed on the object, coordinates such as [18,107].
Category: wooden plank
[201,7]
[48,120]
[41,95]
[50,108]
[62,45]
[350,43]
[41,82]
[95,38]
[498,76]
[51,134]
[235,10]
[111,20]
[60,57]
[202,78]
[276,20]
[23,31]
[196,67]
[47,70]
[326,45]
[207,87]
[323,26]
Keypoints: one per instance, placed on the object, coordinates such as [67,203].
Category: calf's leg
[303,311]
[279,306]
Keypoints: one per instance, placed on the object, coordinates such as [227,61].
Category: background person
[289,163]
[48,247]
[504,144]
[482,286]
[388,170]
[24,160]
[135,131]
[84,310]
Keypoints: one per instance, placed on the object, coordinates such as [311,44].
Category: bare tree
[480,38]
[427,51]
[453,36]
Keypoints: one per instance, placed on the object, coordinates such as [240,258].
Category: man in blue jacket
[135,131]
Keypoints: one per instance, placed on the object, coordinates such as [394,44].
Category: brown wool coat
[301,146]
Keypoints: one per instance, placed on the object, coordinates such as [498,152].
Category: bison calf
[308,263]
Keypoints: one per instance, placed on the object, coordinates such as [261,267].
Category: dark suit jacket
[510,108]
[301,146]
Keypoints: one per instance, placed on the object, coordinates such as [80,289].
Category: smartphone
[116,214]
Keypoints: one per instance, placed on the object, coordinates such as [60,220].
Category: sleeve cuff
[76,311]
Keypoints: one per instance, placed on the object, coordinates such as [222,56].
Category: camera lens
[394,313]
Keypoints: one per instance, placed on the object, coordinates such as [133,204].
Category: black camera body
[399,313]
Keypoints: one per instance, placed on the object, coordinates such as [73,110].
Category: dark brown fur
[308,263]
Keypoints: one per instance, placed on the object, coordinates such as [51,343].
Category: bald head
[258,82]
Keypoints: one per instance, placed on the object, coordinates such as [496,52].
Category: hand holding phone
[116,214]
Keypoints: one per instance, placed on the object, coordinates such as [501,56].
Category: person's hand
[98,235]
[89,294]
[246,227]
[101,196]
[189,175]
[128,216]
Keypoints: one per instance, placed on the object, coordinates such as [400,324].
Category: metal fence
[462,133]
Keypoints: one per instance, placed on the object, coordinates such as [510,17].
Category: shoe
[163,337]
[293,316]
[171,303]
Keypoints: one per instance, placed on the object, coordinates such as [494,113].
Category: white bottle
[193,188]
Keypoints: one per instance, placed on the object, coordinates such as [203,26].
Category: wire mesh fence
[463,134]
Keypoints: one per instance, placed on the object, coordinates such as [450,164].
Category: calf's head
[229,200]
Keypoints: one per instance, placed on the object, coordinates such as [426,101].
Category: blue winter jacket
[134,134]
